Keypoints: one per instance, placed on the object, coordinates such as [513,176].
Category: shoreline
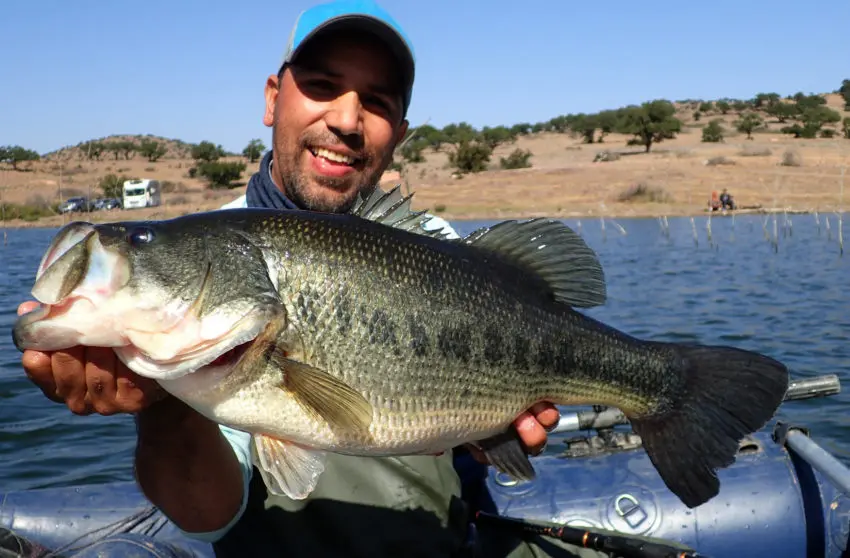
[618,212]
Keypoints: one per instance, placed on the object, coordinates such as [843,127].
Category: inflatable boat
[785,496]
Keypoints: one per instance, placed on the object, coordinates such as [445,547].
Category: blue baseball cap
[355,14]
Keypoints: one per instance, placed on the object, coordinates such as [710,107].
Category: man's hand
[88,379]
[532,427]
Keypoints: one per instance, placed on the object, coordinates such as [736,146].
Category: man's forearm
[186,467]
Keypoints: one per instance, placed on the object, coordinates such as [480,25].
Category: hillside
[567,176]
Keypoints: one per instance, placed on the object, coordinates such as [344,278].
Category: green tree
[254,150]
[846,126]
[741,106]
[496,136]
[844,91]
[782,111]
[584,126]
[764,100]
[723,106]
[470,156]
[606,120]
[14,154]
[152,150]
[221,174]
[207,151]
[713,132]
[429,136]
[812,120]
[651,122]
[92,150]
[458,133]
[412,150]
[748,122]
[808,101]
[706,106]
[112,185]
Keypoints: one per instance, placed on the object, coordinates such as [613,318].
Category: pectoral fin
[287,469]
[326,397]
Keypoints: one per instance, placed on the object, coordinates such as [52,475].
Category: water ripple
[791,305]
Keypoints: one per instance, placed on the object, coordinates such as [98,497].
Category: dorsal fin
[393,209]
[545,247]
[550,250]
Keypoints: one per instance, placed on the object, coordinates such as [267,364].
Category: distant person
[337,108]
[714,202]
[726,201]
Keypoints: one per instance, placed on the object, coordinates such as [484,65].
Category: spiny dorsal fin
[553,252]
[393,209]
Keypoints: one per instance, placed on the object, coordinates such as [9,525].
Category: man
[337,109]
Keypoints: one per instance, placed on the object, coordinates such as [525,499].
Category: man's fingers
[531,432]
[546,414]
[39,369]
[70,377]
[27,306]
[135,392]
[101,383]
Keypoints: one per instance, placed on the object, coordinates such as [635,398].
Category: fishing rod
[819,386]
[621,546]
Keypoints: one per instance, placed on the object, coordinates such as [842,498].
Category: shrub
[470,156]
[518,159]
[643,193]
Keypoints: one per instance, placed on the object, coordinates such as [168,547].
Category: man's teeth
[332,155]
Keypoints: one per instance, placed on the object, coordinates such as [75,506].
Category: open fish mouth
[90,296]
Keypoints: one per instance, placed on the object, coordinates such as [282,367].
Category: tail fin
[727,394]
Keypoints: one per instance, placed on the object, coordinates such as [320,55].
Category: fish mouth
[86,296]
[225,351]
[76,275]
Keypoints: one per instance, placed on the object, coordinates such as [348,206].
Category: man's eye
[379,102]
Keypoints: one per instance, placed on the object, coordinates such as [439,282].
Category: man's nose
[345,114]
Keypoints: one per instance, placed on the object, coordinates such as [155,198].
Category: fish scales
[347,333]
[439,367]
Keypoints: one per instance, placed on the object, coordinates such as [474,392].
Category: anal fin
[287,469]
[507,454]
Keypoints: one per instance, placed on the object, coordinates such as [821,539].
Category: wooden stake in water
[694,229]
[619,227]
[708,230]
[775,235]
[604,233]
[732,237]
[3,212]
[841,214]
[817,221]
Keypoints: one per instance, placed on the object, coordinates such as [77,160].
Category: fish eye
[140,235]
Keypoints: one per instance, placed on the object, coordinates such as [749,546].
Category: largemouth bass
[363,334]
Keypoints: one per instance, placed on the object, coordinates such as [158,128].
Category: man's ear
[401,131]
[271,93]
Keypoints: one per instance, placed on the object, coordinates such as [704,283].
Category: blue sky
[195,70]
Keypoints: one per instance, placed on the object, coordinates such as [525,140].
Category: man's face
[337,117]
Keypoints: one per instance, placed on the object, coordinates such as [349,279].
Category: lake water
[791,303]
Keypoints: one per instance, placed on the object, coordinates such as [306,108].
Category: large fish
[364,334]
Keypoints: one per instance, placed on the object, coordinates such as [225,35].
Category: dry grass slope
[772,171]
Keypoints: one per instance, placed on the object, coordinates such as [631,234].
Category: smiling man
[337,108]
